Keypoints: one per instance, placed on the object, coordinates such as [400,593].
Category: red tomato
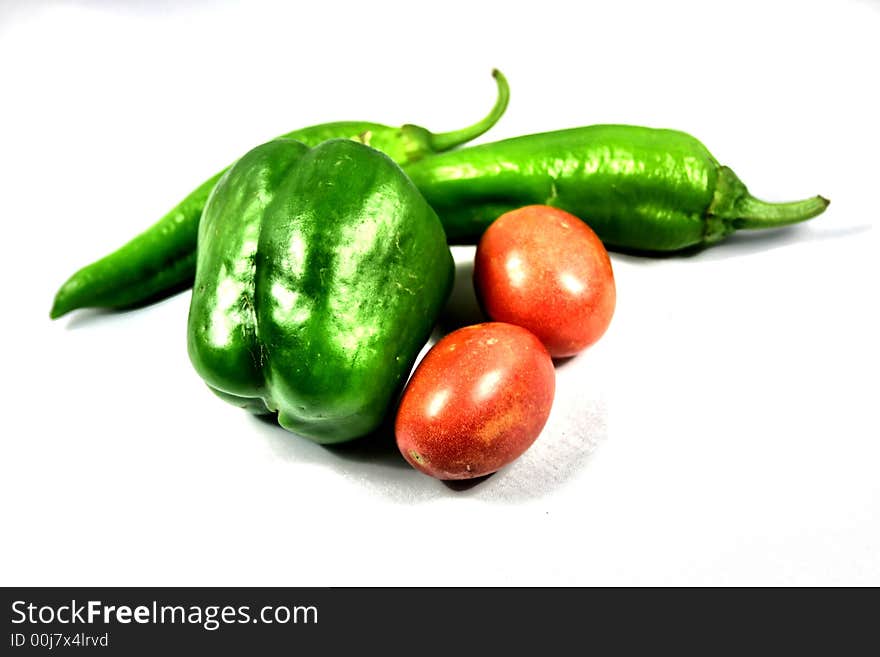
[476,402]
[546,270]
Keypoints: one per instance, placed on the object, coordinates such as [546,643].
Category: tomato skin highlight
[546,270]
[476,402]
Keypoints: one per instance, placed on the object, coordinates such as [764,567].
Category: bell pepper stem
[443,141]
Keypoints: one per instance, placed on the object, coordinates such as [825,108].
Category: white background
[723,432]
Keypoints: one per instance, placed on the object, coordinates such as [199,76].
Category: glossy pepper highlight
[162,259]
[320,276]
[640,189]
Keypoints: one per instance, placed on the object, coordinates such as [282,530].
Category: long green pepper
[162,259]
[640,189]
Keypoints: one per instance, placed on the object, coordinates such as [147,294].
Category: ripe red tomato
[476,402]
[545,270]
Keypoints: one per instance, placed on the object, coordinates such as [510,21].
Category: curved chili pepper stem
[733,208]
[443,141]
[755,213]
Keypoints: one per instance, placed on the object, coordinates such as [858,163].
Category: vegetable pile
[320,263]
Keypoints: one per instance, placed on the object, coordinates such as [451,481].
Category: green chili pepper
[640,189]
[162,259]
[320,275]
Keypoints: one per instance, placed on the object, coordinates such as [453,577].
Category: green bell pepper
[319,277]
